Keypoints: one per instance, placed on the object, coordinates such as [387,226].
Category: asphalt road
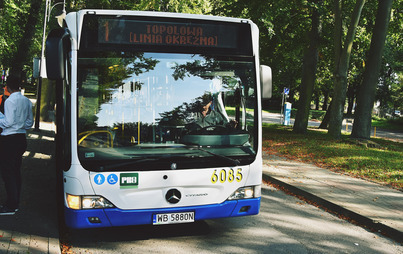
[284,225]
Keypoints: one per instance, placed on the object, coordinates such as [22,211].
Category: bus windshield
[158,111]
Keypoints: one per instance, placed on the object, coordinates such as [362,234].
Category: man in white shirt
[15,121]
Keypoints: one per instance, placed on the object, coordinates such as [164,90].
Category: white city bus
[158,117]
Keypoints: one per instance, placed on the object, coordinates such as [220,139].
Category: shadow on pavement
[38,210]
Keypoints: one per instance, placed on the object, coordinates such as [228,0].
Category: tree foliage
[18,27]
[284,37]
[181,6]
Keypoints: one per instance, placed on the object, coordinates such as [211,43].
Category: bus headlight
[73,202]
[95,202]
[87,202]
[246,192]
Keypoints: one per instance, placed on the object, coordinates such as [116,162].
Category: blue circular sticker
[112,179]
[99,179]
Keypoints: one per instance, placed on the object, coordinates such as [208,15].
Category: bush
[313,114]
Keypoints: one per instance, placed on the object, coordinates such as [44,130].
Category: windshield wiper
[132,162]
[235,161]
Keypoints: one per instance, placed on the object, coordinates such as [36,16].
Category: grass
[389,124]
[383,164]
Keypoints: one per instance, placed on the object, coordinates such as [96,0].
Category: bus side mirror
[265,81]
[57,45]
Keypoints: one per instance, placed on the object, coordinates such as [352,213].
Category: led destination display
[136,32]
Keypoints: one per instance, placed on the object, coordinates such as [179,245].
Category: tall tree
[342,61]
[308,74]
[23,47]
[366,97]
[390,89]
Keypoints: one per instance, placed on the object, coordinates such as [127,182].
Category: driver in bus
[209,116]
[211,111]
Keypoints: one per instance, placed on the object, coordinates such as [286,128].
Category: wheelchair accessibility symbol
[112,179]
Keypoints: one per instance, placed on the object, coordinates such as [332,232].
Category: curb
[333,208]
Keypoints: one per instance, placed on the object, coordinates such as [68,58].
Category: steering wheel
[90,139]
[209,130]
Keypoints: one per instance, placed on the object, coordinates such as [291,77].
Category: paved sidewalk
[34,228]
[376,207]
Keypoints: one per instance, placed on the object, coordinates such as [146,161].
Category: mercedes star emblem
[173,196]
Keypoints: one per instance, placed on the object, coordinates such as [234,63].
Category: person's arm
[30,119]
[9,112]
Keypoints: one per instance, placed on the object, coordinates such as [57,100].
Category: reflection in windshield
[128,102]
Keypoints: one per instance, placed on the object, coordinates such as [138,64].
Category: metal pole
[282,107]
[39,89]
[38,105]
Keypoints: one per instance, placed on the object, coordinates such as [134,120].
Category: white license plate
[170,218]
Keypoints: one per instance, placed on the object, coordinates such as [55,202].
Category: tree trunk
[47,101]
[325,122]
[340,75]
[366,96]
[29,31]
[308,76]
[325,99]
[350,99]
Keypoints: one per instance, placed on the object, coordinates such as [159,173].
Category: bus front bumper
[114,217]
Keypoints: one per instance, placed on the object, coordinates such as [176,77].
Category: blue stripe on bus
[117,217]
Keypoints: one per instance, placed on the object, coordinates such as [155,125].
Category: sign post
[285,93]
